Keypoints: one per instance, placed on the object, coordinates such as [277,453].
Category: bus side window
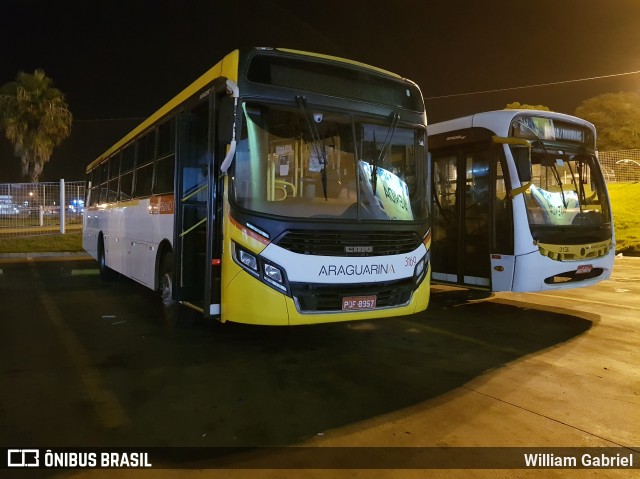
[126,181]
[126,172]
[167,138]
[103,173]
[114,177]
[145,155]
[164,170]
[94,192]
[164,175]
[143,181]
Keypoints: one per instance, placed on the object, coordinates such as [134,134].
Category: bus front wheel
[106,273]
[174,313]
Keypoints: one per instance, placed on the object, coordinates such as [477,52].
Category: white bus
[280,188]
[519,202]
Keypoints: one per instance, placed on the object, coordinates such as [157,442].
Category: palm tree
[35,119]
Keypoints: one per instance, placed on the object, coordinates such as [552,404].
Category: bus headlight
[418,272]
[261,268]
[274,277]
[273,273]
[248,260]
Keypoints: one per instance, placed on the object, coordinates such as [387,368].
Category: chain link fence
[28,209]
[621,165]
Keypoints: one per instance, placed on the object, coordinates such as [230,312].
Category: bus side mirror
[522,159]
[228,118]
[521,151]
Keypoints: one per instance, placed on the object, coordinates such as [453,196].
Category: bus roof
[341,60]
[227,67]
[498,121]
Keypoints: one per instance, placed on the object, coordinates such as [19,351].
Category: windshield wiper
[556,174]
[395,119]
[315,141]
[374,165]
[579,188]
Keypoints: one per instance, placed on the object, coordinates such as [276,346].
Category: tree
[35,119]
[516,105]
[616,117]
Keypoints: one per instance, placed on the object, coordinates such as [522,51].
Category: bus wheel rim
[167,289]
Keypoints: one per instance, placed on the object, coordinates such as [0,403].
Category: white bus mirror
[521,155]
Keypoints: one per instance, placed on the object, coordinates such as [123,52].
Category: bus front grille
[349,243]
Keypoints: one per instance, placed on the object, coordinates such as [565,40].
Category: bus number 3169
[410,260]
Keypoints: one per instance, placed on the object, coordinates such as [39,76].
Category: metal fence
[28,209]
[621,165]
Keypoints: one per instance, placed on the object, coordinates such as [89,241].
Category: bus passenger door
[476,267]
[190,230]
[502,258]
[445,254]
[461,217]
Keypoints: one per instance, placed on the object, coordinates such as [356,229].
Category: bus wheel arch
[164,249]
[106,273]
[166,279]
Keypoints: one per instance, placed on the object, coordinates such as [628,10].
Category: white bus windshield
[302,162]
[566,190]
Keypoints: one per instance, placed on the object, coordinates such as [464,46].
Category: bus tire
[106,273]
[174,314]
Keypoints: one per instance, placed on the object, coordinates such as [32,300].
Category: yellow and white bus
[280,188]
[519,202]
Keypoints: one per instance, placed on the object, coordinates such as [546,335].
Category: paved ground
[509,370]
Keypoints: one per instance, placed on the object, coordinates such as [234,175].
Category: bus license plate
[584,269]
[354,303]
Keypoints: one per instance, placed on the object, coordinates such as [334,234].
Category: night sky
[118,61]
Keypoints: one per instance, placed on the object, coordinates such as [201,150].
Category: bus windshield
[566,190]
[303,162]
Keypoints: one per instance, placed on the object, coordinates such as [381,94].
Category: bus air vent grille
[349,243]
